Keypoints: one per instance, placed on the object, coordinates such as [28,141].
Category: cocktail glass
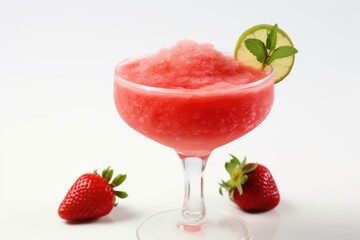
[193,122]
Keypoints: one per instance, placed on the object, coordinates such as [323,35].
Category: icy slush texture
[200,118]
[189,65]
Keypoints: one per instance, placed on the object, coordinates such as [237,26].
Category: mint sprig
[257,48]
[266,53]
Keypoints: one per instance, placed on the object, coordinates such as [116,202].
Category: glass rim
[118,78]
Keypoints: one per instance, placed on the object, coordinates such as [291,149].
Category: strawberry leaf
[250,168]
[237,170]
[229,166]
[119,179]
[105,171]
[109,175]
[234,160]
[231,193]
[243,163]
[243,180]
[224,184]
[121,194]
[239,188]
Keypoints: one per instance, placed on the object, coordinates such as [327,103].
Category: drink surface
[189,65]
[195,98]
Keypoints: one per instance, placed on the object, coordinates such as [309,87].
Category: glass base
[168,225]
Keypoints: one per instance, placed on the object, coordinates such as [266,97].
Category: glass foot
[168,225]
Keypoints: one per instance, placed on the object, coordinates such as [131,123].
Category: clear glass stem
[193,210]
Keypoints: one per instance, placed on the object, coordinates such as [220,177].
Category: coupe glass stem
[193,210]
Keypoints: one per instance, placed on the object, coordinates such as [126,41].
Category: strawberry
[91,196]
[251,186]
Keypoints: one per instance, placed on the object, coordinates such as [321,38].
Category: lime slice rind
[282,67]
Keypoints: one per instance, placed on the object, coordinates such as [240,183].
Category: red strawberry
[91,196]
[251,186]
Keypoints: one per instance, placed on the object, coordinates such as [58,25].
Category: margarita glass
[193,122]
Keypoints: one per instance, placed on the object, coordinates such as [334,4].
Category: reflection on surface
[263,225]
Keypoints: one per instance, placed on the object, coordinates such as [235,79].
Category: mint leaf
[271,38]
[257,48]
[281,52]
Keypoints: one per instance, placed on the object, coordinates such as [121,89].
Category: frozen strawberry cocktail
[192,97]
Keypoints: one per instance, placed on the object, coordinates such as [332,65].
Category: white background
[58,120]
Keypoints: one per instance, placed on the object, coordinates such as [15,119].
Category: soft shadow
[264,225]
[285,207]
[80,222]
[122,213]
[118,214]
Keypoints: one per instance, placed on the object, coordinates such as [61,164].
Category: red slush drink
[191,97]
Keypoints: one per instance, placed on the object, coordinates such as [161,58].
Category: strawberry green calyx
[117,181]
[237,170]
